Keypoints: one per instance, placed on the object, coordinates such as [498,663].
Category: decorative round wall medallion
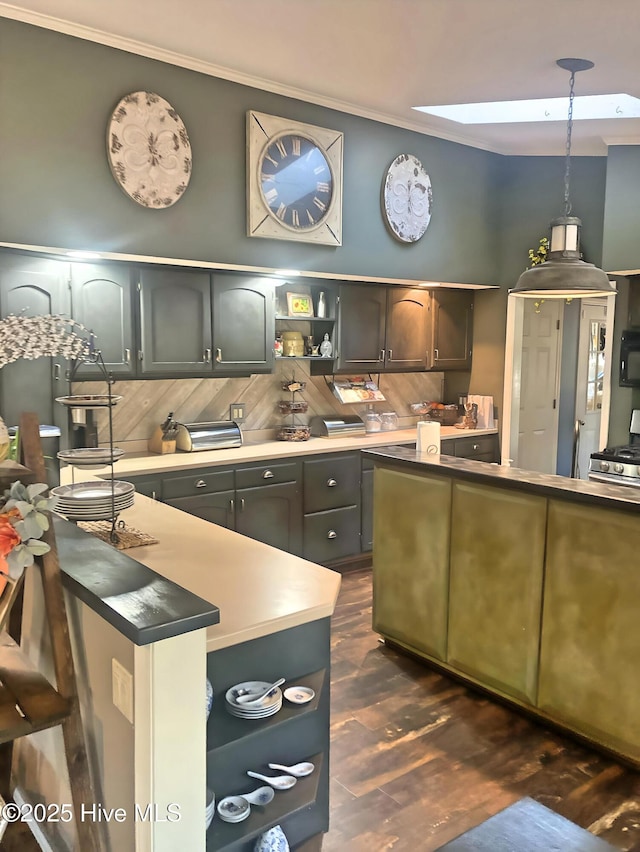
[148,149]
[407,198]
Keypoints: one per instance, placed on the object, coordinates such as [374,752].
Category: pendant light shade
[563,274]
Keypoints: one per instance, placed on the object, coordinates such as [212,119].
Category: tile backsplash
[145,404]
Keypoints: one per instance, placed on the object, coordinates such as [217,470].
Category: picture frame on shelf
[299,305]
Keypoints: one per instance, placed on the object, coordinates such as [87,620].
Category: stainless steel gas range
[619,465]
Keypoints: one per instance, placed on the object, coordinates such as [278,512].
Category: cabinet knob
[381,355]
[127,356]
[232,505]
[332,534]
[207,356]
[268,474]
[201,484]
[389,354]
[56,372]
[436,355]
[242,504]
[331,483]
[476,446]
[218,355]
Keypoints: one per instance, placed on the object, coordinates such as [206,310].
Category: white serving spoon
[256,698]
[262,796]
[299,770]
[280,782]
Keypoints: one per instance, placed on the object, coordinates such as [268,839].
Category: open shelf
[223,729]
[285,318]
[223,835]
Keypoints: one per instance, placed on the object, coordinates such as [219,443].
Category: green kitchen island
[523,584]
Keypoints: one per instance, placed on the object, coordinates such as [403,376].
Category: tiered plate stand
[82,457]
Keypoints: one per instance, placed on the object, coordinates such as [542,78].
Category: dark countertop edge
[191,611]
[548,485]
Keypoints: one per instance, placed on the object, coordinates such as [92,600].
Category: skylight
[541,109]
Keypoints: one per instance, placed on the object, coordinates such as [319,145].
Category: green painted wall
[57,94]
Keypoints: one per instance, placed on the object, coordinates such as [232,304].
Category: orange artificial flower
[8,537]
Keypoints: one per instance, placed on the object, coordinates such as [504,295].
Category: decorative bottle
[322,305]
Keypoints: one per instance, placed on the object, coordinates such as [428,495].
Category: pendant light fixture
[563,274]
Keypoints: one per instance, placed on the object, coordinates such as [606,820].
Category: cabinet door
[367,511]
[217,508]
[150,486]
[361,328]
[411,559]
[408,340]
[175,319]
[271,514]
[34,286]
[495,589]
[452,329]
[101,297]
[243,324]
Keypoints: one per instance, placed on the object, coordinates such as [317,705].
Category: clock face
[407,198]
[296,181]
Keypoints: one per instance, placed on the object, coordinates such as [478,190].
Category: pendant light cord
[567,167]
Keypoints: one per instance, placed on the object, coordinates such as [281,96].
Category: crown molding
[612,141]
[149,51]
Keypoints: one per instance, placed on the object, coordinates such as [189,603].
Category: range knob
[604,466]
[618,468]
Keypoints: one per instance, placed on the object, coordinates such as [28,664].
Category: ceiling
[378,58]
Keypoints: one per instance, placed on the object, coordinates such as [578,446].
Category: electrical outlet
[236,411]
[122,689]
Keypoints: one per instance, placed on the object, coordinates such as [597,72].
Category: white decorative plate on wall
[149,150]
[407,198]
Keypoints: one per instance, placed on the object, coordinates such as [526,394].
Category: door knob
[332,534]
[331,483]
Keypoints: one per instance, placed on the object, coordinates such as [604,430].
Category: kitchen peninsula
[159,749]
[522,584]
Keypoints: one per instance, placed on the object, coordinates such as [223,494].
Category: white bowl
[299,694]
[233,809]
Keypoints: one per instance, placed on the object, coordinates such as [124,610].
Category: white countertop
[259,589]
[255,451]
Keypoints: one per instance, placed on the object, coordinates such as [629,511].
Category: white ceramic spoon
[299,770]
[262,796]
[280,782]
[253,698]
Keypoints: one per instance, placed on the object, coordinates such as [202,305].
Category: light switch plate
[122,689]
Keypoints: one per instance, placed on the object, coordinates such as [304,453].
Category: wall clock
[407,198]
[148,149]
[294,180]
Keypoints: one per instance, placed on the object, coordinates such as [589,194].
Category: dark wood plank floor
[418,758]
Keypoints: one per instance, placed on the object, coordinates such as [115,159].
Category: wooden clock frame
[262,131]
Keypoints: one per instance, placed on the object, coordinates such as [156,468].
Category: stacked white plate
[234,808]
[93,501]
[264,708]
[211,807]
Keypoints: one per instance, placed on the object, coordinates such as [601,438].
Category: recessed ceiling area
[380,58]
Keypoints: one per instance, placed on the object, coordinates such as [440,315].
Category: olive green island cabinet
[522,584]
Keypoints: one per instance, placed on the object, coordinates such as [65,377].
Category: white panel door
[590,383]
[538,420]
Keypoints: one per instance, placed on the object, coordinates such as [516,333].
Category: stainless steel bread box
[336,426]
[216,435]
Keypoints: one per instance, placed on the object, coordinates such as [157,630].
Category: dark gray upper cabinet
[33,286]
[243,324]
[452,329]
[175,322]
[384,328]
[408,339]
[102,300]
[361,328]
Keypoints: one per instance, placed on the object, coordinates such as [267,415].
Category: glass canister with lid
[372,422]
[389,421]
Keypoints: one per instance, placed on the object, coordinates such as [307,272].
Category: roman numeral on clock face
[295,146]
[281,148]
[322,186]
[295,221]
[281,212]
[270,196]
[319,204]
